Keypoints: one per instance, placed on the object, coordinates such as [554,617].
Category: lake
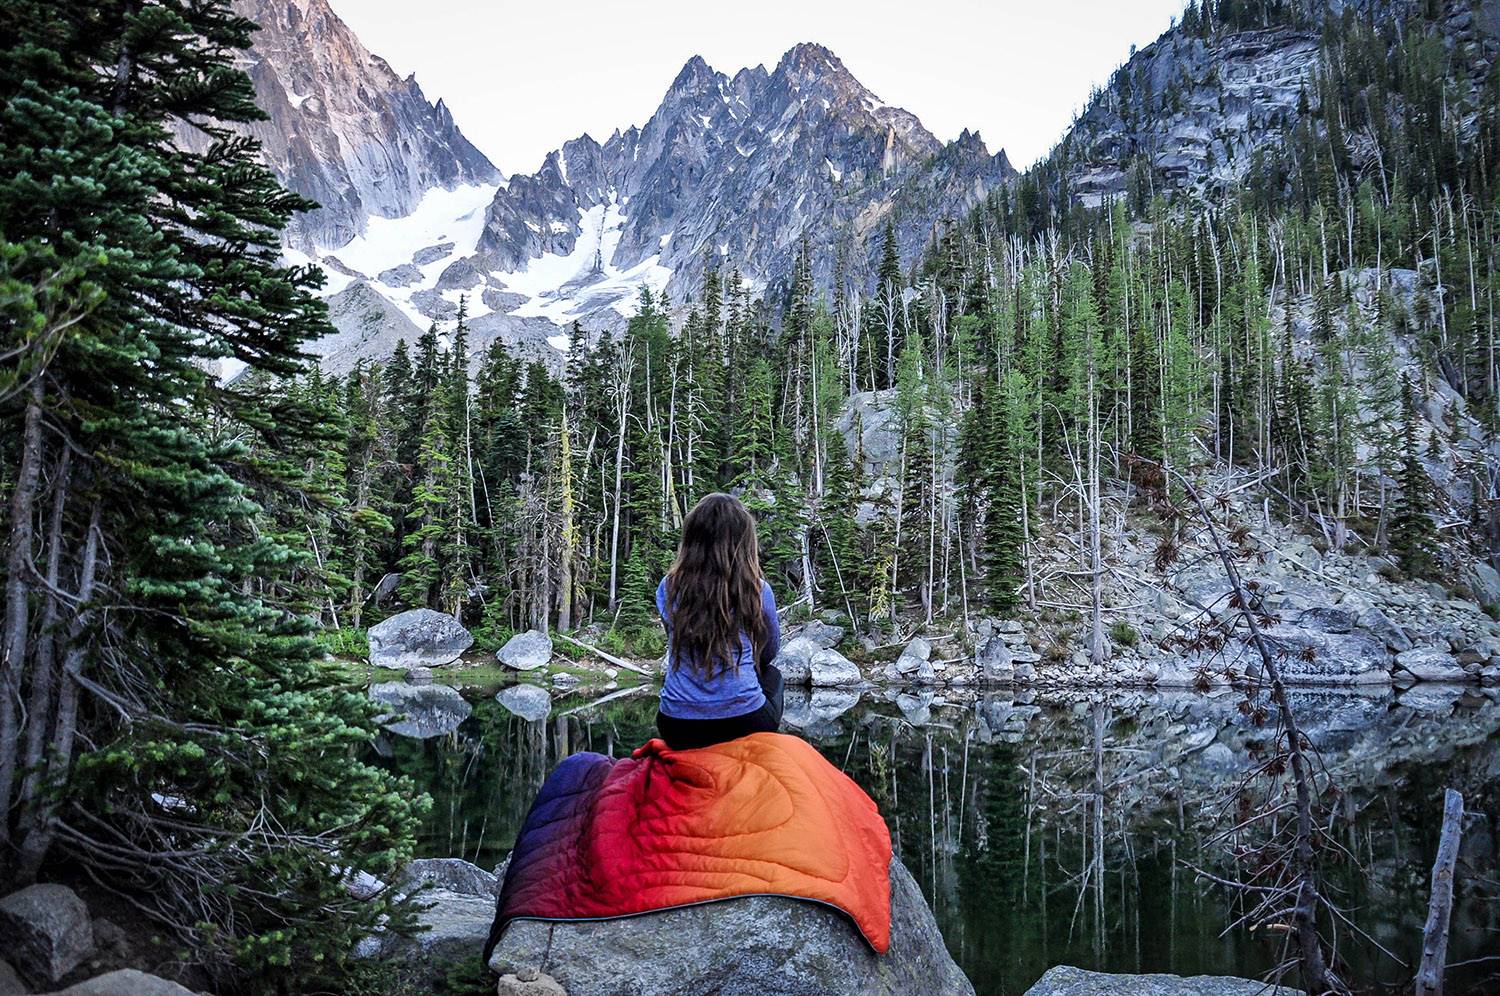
[1056,827]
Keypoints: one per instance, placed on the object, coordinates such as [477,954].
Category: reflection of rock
[526,651]
[1065,981]
[814,712]
[425,710]
[916,707]
[1432,698]
[739,947]
[418,638]
[530,702]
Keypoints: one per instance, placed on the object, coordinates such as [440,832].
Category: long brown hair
[714,587]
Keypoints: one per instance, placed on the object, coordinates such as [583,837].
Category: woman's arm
[772,646]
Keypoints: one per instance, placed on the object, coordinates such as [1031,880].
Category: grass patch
[1124,634]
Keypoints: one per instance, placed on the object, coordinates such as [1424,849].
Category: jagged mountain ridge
[343,129]
[738,170]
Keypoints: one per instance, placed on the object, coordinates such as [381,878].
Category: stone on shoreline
[823,634]
[526,651]
[418,638]
[1066,981]
[795,660]
[125,982]
[749,946]
[831,669]
[447,875]
[47,930]
[1431,664]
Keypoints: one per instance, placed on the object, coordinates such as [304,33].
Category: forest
[183,551]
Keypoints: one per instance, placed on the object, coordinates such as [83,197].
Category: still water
[1062,828]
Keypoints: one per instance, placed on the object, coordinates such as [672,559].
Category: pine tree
[1412,530]
[159,260]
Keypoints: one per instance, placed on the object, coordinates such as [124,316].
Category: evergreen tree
[1412,530]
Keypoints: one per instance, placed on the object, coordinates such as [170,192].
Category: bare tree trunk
[1316,976]
[37,838]
[1435,933]
[18,588]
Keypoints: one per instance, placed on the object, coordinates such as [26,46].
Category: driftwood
[611,658]
[1440,907]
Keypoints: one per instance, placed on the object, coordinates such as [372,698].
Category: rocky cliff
[343,129]
[734,170]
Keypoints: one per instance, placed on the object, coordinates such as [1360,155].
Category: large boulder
[822,633]
[526,651]
[447,875]
[795,660]
[418,638]
[751,946]
[1431,664]
[995,660]
[47,932]
[1066,981]
[125,982]
[530,702]
[831,669]
[420,711]
[1306,657]
[10,982]
[457,926]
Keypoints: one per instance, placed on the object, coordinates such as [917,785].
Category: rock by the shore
[447,875]
[418,638]
[1431,664]
[125,982]
[795,660]
[996,663]
[47,930]
[530,702]
[751,946]
[821,633]
[526,651]
[1066,981]
[831,669]
[10,982]
[457,926]
[420,711]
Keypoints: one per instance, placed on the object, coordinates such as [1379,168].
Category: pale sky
[524,76]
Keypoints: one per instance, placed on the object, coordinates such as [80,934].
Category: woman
[722,632]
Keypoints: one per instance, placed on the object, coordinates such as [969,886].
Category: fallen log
[605,655]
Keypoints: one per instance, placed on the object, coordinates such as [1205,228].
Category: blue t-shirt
[734,691]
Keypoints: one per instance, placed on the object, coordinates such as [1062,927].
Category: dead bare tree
[1295,895]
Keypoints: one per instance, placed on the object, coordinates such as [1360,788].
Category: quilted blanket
[761,815]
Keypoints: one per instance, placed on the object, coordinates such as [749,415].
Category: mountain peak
[810,57]
[696,74]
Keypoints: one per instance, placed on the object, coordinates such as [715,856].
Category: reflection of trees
[484,776]
[1062,833]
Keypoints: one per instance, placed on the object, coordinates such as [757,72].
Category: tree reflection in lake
[1056,828]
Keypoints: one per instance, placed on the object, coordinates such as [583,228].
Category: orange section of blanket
[762,815]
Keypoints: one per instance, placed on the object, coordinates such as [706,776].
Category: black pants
[685,734]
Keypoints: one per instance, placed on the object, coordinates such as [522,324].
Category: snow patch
[297,99]
[833,171]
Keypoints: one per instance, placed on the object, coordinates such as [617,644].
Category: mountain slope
[738,170]
[343,128]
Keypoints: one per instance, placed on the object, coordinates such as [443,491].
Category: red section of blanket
[762,815]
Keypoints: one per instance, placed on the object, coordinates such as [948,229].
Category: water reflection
[1052,828]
